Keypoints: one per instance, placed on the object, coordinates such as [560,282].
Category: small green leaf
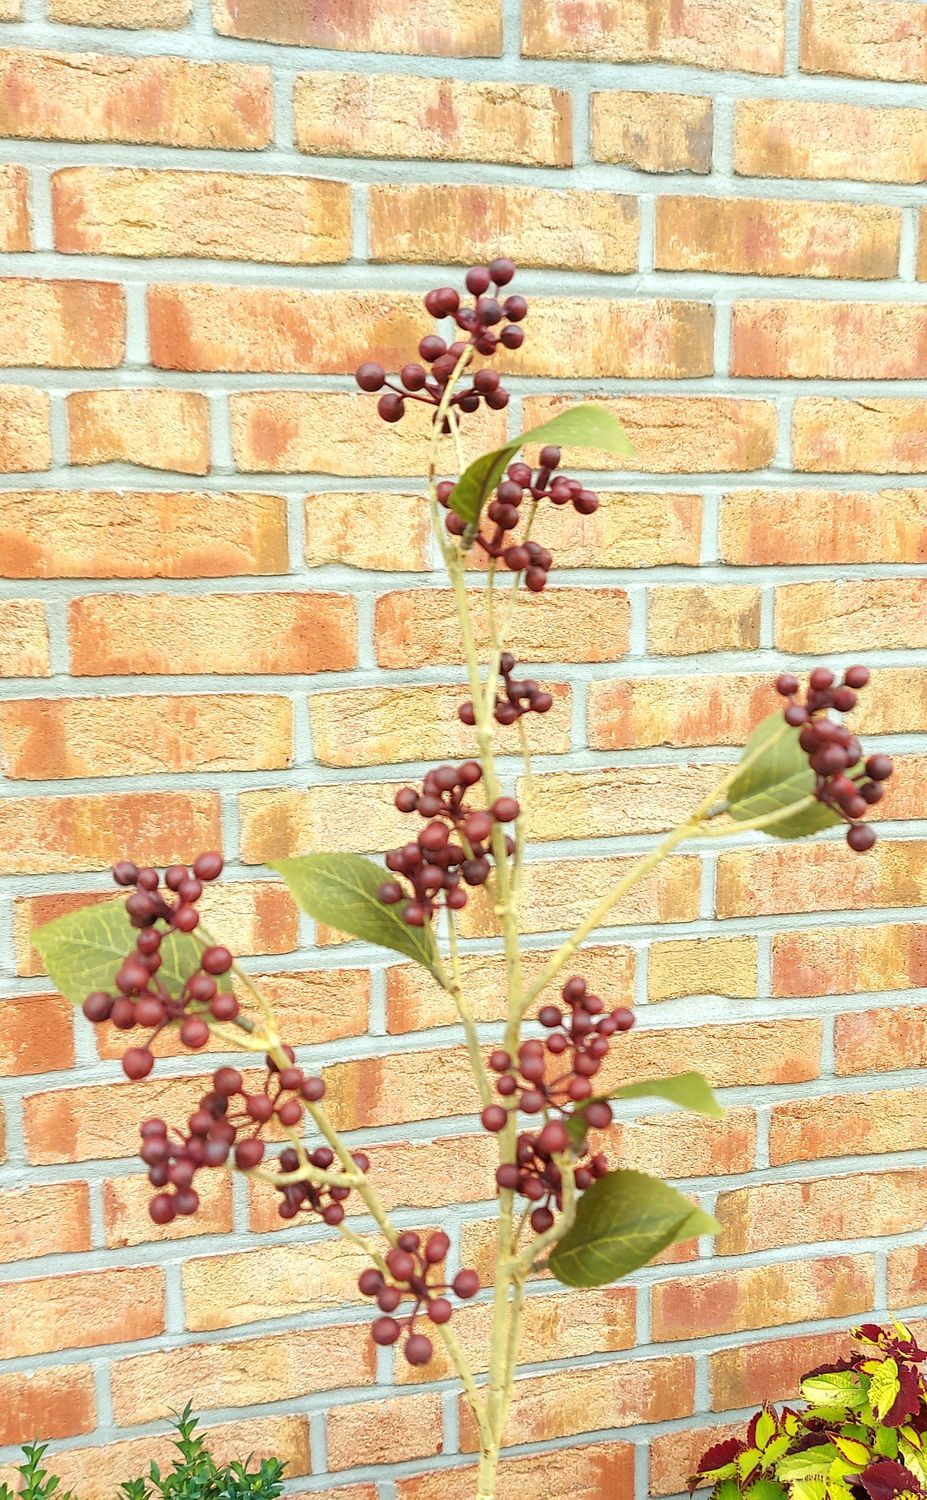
[624,1220]
[688,1090]
[883,1388]
[341,891]
[766,1429]
[776,775]
[727,1489]
[583,426]
[764,1489]
[811,1463]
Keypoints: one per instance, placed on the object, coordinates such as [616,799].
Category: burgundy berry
[466,1284]
[505,809]
[879,767]
[502,270]
[440,1310]
[385,1331]
[861,837]
[477,280]
[391,406]
[494,1117]
[419,1349]
[208,866]
[370,376]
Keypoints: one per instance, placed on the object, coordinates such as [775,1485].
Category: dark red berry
[385,1331]
[370,376]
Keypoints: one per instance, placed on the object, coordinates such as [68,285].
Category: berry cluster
[517,697]
[216,1127]
[322,1198]
[833,751]
[410,1265]
[536,1176]
[418,383]
[453,849]
[140,998]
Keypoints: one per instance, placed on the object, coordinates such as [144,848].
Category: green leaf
[766,1429]
[840,1388]
[811,1463]
[580,426]
[341,890]
[727,1489]
[775,775]
[623,1221]
[83,950]
[883,1388]
[688,1090]
[765,1489]
[808,1489]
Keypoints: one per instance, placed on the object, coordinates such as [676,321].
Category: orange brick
[865,1204]
[833,340]
[630,529]
[848,1125]
[674,1455]
[335,432]
[678,434]
[423,223]
[695,33]
[762,1296]
[25,433]
[702,966]
[461,28]
[166,101]
[15,222]
[606,803]
[896,700]
[875,1041]
[384,1432]
[126,1220]
[240,633]
[730,1056]
[46,834]
[646,339]
[907,1275]
[851,616]
[751,1374]
[58,1402]
[595,1397]
[399,1088]
[758,237]
[922,246]
[874,435]
[560,893]
[420,629]
[794,527]
[155,429]
[23,639]
[282,821]
[479,1248]
[79,1311]
[820,877]
[36,1035]
[683,711]
[687,621]
[816,139]
[70,737]
[850,960]
[527,124]
[221,1291]
[102,1121]
[124,534]
[133,15]
[37,1221]
[585,1473]
[72,324]
[863,39]
[681,1146]
[201,215]
[382,531]
[653,132]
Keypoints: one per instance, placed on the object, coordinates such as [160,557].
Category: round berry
[224,1007]
[553,1139]
[125,872]
[541,1220]
[385,1331]
[466,1284]
[97,1007]
[505,809]
[599,1114]
[477,280]
[861,837]
[401,1264]
[787,684]
[821,679]
[419,1349]
[440,1310]
[138,1062]
[249,1154]
[370,376]
[502,270]
[217,960]
[494,1118]
[162,1208]
[879,767]
[856,677]
[208,866]
[370,1281]
[436,1247]
[194,1032]
[391,406]
[549,457]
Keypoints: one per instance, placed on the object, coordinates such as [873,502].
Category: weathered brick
[773,1214]
[201,215]
[687,621]
[76,1312]
[584,1473]
[399,1088]
[679,1146]
[156,101]
[848,1125]
[566,624]
[15,221]
[25,431]
[71,324]
[730,1056]
[852,616]
[223,1291]
[59,1402]
[865,39]
[876,1041]
[641,339]
[334,432]
[23,639]
[101,1121]
[48,1220]
[871,435]
[696,33]
[425,223]
[36,1035]
[242,633]
[777,237]
[384,1431]
[128,534]
[382,531]
[820,877]
[793,527]
[678,434]
[653,132]
[42,835]
[630,529]
[284,821]
[524,123]
[832,340]
[608,802]
[126,1220]
[683,711]
[849,960]
[70,737]
[674,1455]
[895,701]
[154,429]
[750,1374]
[824,140]
[907,1275]
[762,1296]
[133,15]
[682,967]
[461,28]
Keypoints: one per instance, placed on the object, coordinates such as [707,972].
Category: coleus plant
[545,1090]
[859,1436]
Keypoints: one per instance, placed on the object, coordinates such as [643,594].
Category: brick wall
[220,619]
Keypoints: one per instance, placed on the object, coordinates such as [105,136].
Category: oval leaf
[688,1090]
[623,1221]
[83,950]
[775,776]
[581,426]
[341,891]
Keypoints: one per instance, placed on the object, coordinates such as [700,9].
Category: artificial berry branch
[543,1085]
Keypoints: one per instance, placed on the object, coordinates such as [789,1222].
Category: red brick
[126,1220]
[643,339]
[384,1431]
[848,1125]
[873,435]
[821,877]
[695,33]
[687,621]
[155,429]
[586,1473]
[25,429]
[730,1056]
[71,324]
[877,1041]
[750,1374]
[859,1206]
[223,1291]
[42,835]
[761,528]
[852,616]
[461,28]
[381,530]
[58,1402]
[865,39]
[762,1296]
[831,341]
[47,1220]
[36,1035]
[24,649]
[15,222]
[674,1455]
[823,140]
[777,237]
[632,712]
[907,1275]
[678,434]
[76,1312]
[850,960]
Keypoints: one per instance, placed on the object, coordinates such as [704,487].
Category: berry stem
[454,986]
